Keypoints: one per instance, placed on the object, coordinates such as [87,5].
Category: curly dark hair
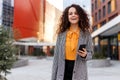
[83,19]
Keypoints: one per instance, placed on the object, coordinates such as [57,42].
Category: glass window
[103,22]
[99,16]
[109,7]
[113,5]
[7,14]
[103,1]
[92,7]
[95,16]
[104,11]
[94,28]
[95,4]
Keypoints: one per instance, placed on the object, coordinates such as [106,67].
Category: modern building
[1,2]
[52,15]
[6,13]
[28,19]
[106,27]
[35,22]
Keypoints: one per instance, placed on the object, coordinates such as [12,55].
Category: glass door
[114,47]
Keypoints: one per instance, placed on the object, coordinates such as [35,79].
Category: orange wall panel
[26,17]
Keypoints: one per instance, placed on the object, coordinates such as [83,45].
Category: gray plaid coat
[80,67]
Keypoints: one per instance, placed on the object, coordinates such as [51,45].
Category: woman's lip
[73,19]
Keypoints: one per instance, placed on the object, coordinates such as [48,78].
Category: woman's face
[73,16]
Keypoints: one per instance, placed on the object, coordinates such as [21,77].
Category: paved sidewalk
[106,73]
[40,69]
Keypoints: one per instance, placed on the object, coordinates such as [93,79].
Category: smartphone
[82,46]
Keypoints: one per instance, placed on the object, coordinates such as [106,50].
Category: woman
[70,62]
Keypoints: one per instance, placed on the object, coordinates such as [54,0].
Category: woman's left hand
[82,53]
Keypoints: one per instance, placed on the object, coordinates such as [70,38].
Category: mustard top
[71,44]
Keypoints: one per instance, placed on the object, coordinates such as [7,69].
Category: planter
[49,58]
[20,63]
[99,63]
[2,77]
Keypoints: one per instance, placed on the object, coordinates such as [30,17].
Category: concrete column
[108,49]
[99,46]
[26,50]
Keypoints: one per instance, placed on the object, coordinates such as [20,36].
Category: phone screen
[82,46]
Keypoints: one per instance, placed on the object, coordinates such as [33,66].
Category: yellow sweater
[71,44]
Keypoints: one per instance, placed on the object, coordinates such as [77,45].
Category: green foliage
[97,55]
[101,54]
[7,51]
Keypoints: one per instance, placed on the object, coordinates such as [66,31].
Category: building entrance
[109,46]
[114,47]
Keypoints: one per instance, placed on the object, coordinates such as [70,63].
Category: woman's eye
[73,13]
[70,13]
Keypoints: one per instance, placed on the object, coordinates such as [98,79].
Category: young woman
[70,62]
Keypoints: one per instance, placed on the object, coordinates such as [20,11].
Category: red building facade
[28,18]
[35,19]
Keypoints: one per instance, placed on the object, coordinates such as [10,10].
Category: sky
[62,4]
[12,2]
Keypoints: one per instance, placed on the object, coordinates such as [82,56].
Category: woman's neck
[74,27]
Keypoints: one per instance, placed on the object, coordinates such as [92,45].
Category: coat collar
[62,37]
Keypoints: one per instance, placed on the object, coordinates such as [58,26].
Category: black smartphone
[82,46]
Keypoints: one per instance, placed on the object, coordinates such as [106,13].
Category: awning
[29,39]
[34,43]
[109,28]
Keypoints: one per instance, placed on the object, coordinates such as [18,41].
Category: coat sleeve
[89,48]
[55,60]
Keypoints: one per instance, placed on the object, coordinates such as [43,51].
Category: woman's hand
[82,53]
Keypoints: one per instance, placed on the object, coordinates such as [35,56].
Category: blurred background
[34,23]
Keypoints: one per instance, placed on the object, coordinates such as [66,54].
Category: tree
[7,52]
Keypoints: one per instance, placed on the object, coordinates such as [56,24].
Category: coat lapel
[63,40]
[80,40]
